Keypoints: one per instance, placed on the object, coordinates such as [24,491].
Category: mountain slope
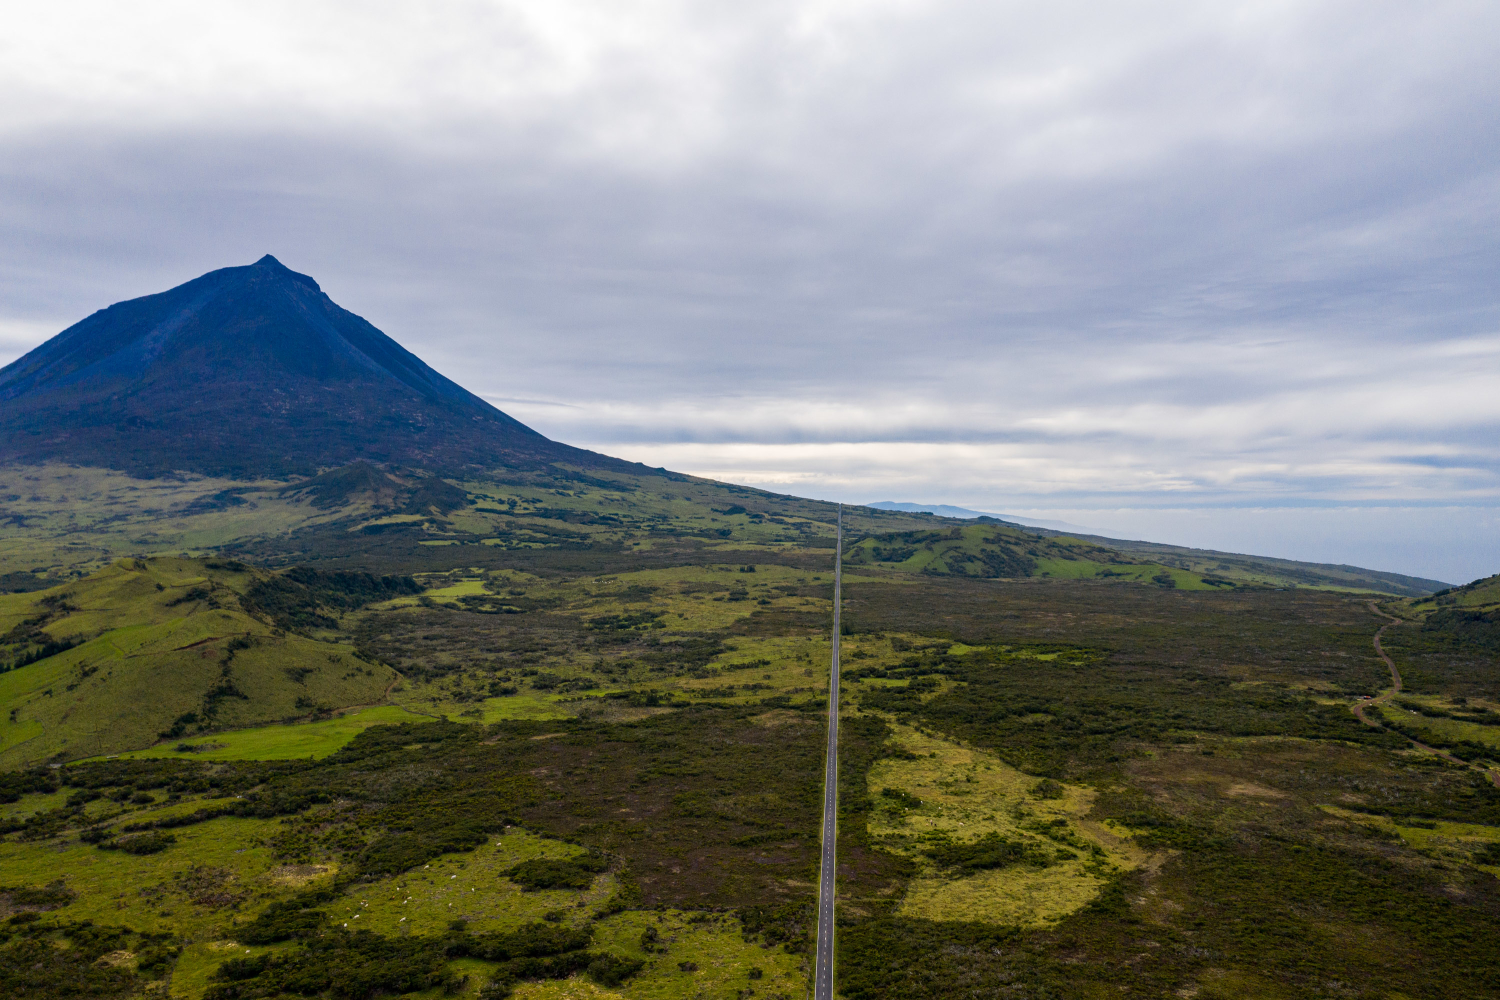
[248,372]
[1479,595]
[996,550]
[1266,570]
[1228,566]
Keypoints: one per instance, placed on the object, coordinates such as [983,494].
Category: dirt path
[1395,689]
[1385,696]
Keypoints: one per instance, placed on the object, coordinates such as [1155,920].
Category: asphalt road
[823,967]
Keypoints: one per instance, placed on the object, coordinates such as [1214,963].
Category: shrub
[1047,788]
[611,970]
[45,897]
[553,873]
[989,851]
[901,797]
[143,843]
[287,919]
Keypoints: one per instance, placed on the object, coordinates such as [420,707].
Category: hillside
[1230,567]
[248,372]
[170,648]
[996,550]
[1480,595]
[1263,570]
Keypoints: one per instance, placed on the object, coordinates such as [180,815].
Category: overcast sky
[1214,273]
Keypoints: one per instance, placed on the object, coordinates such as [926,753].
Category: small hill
[1211,564]
[996,550]
[1480,595]
[248,372]
[167,648]
[1267,570]
[1466,616]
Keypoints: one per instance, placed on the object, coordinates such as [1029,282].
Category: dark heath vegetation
[336,682]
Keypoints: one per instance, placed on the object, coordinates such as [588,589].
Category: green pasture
[292,741]
[713,944]
[965,794]
[222,857]
[1086,569]
[472,887]
[1447,729]
[1455,842]
[533,705]
[160,640]
[992,551]
[1483,594]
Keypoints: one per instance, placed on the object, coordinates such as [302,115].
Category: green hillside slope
[996,551]
[57,522]
[1480,595]
[1263,570]
[160,649]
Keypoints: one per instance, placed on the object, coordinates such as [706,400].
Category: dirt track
[1385,696]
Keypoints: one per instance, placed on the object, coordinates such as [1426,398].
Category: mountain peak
[247,371]
[275,266]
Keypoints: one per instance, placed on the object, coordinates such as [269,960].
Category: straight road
[823,969]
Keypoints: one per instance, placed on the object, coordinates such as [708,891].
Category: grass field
[224,862]
[292,741]
[723,962]
[1482,595]
[967,794]
[160,642]
[1440,730]
[1445,841]
[472,887]
[220,874]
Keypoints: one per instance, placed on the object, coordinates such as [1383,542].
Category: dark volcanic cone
[245,372]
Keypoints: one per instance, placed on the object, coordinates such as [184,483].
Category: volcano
[249,372]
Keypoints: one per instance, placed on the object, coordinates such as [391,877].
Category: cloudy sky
[1221,274]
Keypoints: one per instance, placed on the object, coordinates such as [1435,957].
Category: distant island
[945,510]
